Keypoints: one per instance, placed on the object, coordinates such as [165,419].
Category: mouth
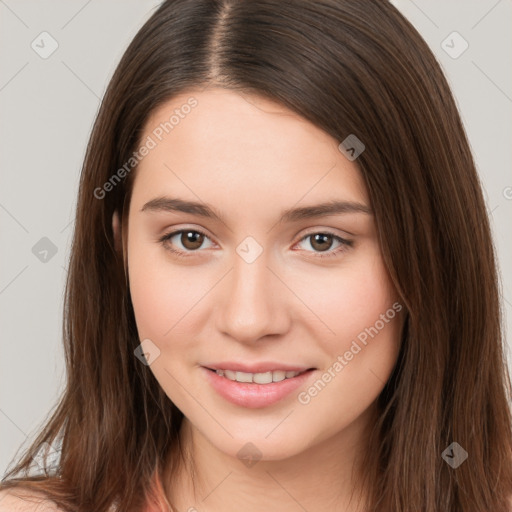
[258,378]
[254,390]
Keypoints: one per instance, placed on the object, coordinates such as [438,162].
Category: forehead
[236,149]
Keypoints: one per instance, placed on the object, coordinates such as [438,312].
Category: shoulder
[15,500]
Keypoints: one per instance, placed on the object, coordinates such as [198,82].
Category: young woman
[282,292]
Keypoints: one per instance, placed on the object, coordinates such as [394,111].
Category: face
[234,283]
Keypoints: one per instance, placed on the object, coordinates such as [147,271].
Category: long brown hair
[349,67]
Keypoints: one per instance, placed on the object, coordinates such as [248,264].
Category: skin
[250,159]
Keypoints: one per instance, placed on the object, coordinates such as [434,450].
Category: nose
[253,302]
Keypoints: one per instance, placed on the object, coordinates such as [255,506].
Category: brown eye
[191,240]
[184,242]
[321,241]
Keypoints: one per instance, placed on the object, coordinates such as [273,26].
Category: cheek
[361,353]
[363,315]
[351,298]
[166,297]
[367,322]
[160,293]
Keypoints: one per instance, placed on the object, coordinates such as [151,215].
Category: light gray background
[47,107]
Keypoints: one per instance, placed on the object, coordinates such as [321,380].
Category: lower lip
[253,395]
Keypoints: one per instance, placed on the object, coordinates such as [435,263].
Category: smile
[255,390]
[258,378]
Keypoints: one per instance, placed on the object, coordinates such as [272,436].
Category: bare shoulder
[16,500]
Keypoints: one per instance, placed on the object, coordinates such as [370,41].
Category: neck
[324,476]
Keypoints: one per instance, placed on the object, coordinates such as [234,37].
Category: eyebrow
[334,207]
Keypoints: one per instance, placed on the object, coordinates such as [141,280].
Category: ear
[116,229]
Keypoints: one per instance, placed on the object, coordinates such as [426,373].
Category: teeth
[262,378]
[280,375]
[257,378]
[230,375]
[243,377]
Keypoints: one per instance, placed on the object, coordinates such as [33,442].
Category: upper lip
[261,367]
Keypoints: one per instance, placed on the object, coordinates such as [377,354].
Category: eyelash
[345,244]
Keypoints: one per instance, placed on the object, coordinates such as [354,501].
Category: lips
[262,391]
[259,373]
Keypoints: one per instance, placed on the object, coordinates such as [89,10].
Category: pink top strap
[161,506]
